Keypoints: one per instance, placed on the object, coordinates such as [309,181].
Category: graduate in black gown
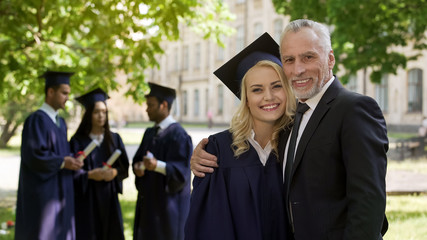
[45,203]
[243,197]
[162,172]
[98,212]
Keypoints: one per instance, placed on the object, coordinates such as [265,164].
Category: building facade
[188,66]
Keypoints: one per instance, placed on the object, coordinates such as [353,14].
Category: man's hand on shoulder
[201,161]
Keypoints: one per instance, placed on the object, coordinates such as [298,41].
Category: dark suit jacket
[337,187]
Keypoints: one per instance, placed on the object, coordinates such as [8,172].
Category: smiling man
[335,186]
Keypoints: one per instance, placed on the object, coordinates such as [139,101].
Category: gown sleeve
[37,142]
[122,164]
[81,180]
[210,214]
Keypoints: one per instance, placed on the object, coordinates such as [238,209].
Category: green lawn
[407,217]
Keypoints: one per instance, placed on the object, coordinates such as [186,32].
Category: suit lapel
[321,109]
[283,139]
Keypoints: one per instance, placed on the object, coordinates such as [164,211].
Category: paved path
[398,181]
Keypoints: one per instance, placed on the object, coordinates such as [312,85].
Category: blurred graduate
[45,202]
[162,168]
[243,197]
[97,184]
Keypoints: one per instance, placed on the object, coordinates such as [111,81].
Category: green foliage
[367,33]
[96,39]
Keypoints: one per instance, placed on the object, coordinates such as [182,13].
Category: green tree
[95,39]
[367,33]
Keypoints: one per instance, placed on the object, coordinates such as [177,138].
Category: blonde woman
[243,197]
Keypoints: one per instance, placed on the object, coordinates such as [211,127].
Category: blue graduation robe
[45,203]
[163,201]
[98,212]
[242,199]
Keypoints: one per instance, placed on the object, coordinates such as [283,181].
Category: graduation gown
[241,199]
[45,203]
[163,201]
[98,212]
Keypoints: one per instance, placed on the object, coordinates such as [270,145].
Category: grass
[6,214]
[128,211]
[10,151]
[407,216]
[398,135]
[414,165]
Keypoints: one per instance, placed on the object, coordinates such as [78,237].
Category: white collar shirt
[49,111]
[166,123]
[263,153]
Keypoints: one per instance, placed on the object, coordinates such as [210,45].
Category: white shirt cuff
[161,167]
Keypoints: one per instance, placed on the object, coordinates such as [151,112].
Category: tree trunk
[12,124]
[9,131]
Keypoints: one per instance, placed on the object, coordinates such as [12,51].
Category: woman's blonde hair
[242,122]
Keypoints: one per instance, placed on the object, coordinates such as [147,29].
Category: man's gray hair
[320,29]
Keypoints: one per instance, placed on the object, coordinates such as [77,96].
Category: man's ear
[164,105]
[50,92]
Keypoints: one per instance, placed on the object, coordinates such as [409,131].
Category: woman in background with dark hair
[97,208]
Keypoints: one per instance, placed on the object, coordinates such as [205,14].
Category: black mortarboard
[161,92]
[92,97]
[56,78]
[233,71]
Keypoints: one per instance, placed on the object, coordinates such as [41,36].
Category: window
[197,57]
[257,30]
[176,60]
[219,53]
[240,39]
[415,90]
[352,83]
[278,28]
[381,93]
[219,50]
[220,99]
[184,103]
[185,61]
[196,102]
[206,101]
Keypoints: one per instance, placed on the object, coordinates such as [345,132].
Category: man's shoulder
[37,115]
[175,128]
[350,97]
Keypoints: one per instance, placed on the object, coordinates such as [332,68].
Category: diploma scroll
[116,154]
[149,155]
[83,154]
